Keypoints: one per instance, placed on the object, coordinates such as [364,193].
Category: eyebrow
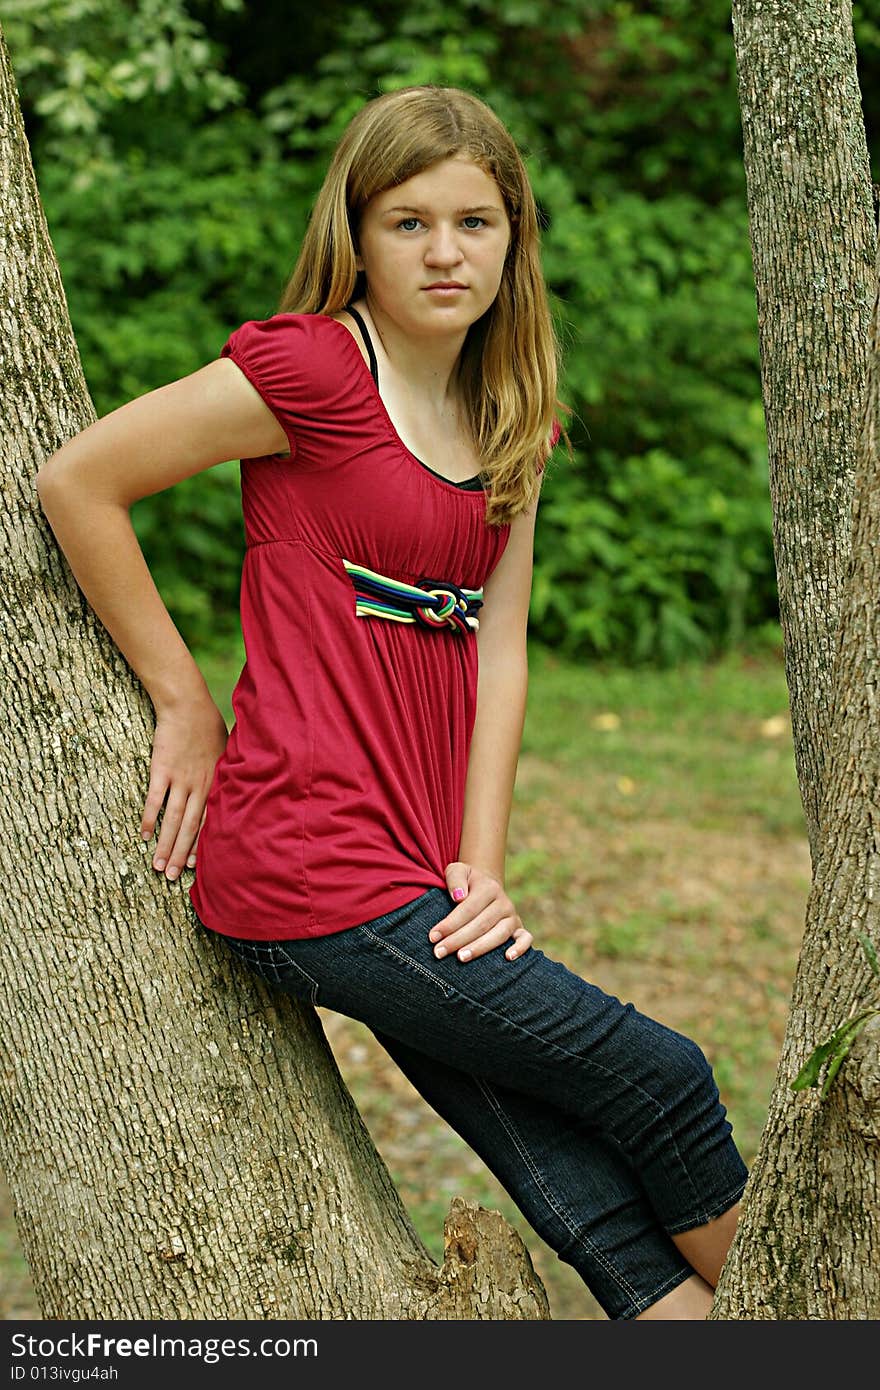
[460,212]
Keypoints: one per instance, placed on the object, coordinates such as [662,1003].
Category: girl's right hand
[187,743]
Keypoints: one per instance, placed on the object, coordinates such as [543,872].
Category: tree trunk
[808,1246]
[808,184]
[177,1140]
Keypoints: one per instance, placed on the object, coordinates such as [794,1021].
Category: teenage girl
[393,420]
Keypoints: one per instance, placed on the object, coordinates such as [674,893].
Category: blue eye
[481,220]
[407,223]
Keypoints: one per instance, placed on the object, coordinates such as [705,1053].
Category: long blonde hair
[508,367]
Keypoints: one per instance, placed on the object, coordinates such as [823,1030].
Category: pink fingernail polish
[458,894]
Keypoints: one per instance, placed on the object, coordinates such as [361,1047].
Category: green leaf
[809,1072]
[870,951]
[835,1064]
[833,1051]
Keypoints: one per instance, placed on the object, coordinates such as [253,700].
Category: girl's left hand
[484,918]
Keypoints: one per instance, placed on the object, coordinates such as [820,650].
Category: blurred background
[657,842]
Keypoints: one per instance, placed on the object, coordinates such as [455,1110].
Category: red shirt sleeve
[273,354]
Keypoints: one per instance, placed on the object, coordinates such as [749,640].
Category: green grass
[693,740]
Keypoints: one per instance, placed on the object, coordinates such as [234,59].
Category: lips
[446,285]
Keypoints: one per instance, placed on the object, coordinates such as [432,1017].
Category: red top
[340,792]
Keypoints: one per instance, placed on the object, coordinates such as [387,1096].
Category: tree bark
[177,1140]
[808,1245]
[811,223]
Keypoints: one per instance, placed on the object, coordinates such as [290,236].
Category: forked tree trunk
[178,1142]
[808,1246]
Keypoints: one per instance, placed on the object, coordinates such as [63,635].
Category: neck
[426,365]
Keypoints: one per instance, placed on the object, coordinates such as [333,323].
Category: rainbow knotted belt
[431,603]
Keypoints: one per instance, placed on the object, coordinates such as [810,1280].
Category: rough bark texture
[177,1140]
[808,1246]
[812,234]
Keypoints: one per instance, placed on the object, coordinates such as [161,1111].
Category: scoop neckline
[390,427]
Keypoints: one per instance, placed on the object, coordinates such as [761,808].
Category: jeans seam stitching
[296,965]
[540,1183]
[673,1281]
[267,956]
[446,990]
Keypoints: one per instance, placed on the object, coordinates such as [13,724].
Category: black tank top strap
[374,366]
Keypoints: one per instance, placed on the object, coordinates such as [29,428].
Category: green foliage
[655,563]
[79,61]
[179,148]
[831,1054]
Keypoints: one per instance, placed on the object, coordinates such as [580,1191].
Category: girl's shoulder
[286,333]
[296,356]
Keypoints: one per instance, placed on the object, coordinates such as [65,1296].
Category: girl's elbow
[62,482]
[45,475]
[53,474]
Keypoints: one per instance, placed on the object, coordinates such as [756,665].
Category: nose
[443,247]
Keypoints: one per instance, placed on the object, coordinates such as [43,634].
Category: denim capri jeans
[604,1126]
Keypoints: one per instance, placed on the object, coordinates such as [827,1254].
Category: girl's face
[433,248]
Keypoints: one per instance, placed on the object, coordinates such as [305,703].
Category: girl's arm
[502,687]
[86,490]
[486,917]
